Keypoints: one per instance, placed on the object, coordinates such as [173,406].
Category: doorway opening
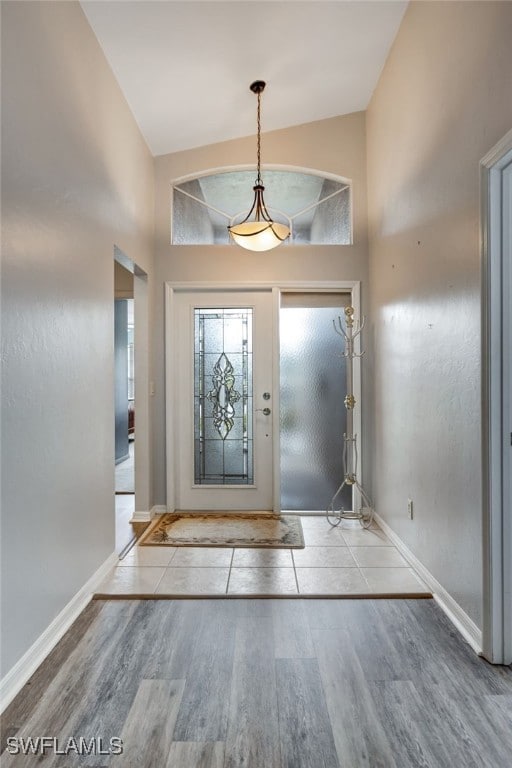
[132,391]
[125,397]
[124,377]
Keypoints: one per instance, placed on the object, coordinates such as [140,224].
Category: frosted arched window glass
[317,209]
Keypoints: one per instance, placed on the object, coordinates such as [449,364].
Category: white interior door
[223,361]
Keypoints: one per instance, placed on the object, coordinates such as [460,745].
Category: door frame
[277,288]
[496,501]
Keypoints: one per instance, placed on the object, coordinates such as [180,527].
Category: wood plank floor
[266,684]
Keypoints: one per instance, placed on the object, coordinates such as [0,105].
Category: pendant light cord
[258,179]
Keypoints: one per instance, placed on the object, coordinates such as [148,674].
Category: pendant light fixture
[259,233]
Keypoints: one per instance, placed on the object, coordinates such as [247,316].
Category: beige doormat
[190,529]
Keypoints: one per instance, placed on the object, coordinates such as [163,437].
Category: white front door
[222,370]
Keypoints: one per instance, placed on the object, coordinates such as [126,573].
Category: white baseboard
[144,516]
[459,618]
[12,683]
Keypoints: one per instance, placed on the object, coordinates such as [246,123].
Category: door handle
[264,411]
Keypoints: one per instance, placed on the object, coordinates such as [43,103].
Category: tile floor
[344,561]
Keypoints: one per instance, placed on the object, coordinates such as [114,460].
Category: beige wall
[443,100]
[336,145]
[77,179]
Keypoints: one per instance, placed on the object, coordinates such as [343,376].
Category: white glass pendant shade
[257,232]
[259,235]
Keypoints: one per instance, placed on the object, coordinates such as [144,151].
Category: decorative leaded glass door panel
[223,370]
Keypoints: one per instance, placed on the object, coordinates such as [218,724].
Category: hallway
[268,684]
[96,151]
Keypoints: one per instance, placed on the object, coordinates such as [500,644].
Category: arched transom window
[316,208]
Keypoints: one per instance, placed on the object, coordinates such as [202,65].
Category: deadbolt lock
[266,395]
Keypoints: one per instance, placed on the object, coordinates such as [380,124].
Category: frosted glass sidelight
[313,416]
[223,397]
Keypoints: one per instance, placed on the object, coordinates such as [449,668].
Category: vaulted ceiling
[185,67]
